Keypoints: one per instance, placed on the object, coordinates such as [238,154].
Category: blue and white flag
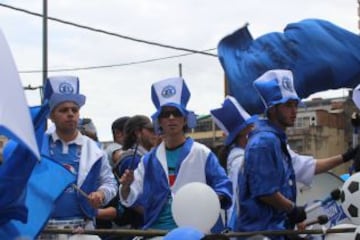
[321,55]
[15,121]
[28,187]
[47,182]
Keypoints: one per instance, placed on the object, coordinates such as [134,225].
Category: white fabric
[235,162]
[304,167]
[15,115]
[175,85]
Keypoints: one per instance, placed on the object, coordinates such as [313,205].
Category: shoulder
[263,139]
[200,147]
[236,152]
[92,146]
[125,155]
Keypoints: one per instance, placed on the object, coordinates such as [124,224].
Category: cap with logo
[61,89]
[275,87]
[172,92]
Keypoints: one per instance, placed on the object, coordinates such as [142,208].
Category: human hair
[134,123]
[223,153]
[119,124]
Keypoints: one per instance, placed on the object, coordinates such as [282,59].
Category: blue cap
[231,118]
[61,89]
[275,87]
[171,92]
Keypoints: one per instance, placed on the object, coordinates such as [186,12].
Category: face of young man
[65,116]
[285,113]
[171,121]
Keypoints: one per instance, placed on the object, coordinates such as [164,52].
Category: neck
[67,137]
[173,142]
[279,125]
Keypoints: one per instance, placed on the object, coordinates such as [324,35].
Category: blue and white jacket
[196,164]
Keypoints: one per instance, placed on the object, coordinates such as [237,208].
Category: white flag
[15,119]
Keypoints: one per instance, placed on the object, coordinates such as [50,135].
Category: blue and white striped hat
[61,89]
[276,86]
[172,92]
[231,118]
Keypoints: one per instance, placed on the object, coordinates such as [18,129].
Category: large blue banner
[321,55]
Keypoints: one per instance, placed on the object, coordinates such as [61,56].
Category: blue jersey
[267,169]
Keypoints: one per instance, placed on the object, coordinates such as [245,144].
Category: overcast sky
[125,90]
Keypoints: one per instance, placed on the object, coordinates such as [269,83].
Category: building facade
[323,128]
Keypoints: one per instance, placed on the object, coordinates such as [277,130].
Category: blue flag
[35,186]
[14,174]
[16,169]
[47,182]
[321,55]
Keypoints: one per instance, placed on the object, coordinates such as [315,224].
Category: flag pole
[45,47]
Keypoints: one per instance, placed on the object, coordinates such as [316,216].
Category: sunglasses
[168,113]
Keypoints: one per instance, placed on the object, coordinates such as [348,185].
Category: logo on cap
[66,88]
[287,84]
[168,91]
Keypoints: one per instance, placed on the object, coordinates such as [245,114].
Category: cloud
[193,24]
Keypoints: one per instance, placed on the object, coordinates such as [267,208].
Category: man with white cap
[95,184]
[236,123]
[178,160]
[267,181]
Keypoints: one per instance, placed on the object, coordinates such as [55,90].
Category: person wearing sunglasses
[178,160]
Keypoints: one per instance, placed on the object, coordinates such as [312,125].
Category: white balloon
[356,96]
[341,236]
[196,205]
[350,198]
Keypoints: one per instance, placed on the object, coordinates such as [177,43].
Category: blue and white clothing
[196,163]
[235,161]
[85,159]
[267,169]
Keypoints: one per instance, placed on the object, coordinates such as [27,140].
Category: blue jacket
[196,164]
[267,169]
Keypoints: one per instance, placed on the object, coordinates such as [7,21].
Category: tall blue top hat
[276,86]
[61,89]
[231,118]
[172,92]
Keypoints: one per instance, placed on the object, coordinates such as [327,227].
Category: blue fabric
[14,175]
[67,205]
[39,115]
[321,55]
[47,181]
[89,185]
[16,170]
[267,170]
[181,233]
[128,162]
[232,118]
